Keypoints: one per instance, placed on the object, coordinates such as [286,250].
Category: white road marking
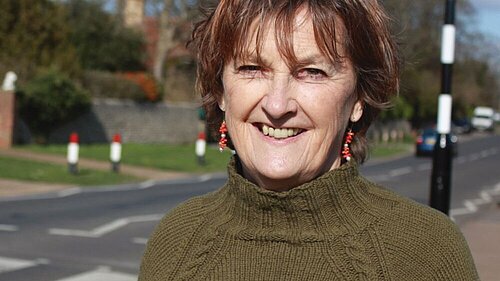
[478,201]
[42,261]
[496,190]
[424,167]
[461,160]
[470,206]
[484,154]
[147,184]
[8,227]
[11,264]
[379,178]
[400,171]
[140,240]
[459,212]
[473,157]
[485,198]
[106,228]
[69,192]
[485,195]
[101,274]
[204,178]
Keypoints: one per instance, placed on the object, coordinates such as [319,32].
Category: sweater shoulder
[408,216]
[171,237]
[418,236]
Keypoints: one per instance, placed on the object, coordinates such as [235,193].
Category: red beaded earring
[223,140]
[346,151]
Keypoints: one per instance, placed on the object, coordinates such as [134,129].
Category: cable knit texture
[337,227]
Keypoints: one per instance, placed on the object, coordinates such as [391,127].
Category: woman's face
[287,122]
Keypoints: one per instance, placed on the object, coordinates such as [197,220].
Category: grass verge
[181,157]
[383,150]
[19,169]
[160,156]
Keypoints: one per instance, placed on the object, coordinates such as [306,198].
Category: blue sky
[488,16]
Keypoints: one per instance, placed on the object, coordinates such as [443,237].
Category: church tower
[132,12]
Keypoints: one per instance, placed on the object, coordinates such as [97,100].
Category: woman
[295,85]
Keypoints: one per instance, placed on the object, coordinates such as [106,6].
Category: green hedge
[49,100]
[103,84]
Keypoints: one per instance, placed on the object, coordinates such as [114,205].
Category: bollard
[72,156]
[116,153]
[200,148]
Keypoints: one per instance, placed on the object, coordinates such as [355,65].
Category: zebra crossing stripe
[8,227]
[10,264]
[101,274]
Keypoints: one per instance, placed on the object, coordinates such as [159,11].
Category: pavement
[482,233]
[481,230]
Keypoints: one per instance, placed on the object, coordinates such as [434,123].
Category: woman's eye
[311,74]
[251,70]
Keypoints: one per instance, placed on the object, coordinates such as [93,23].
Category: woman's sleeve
[164,250]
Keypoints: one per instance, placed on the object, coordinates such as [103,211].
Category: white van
[483,118]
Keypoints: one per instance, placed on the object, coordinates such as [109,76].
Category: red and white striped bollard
[72,155]
[200,148]
[116,153]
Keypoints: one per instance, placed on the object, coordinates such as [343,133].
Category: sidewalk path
[14,188]
[483,236]
[17,188]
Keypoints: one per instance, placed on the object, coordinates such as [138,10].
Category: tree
[418,25]
[34,34]
[101,42]
[174,25]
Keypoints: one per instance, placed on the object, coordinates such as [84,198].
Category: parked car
[461,126]
[426,140]
[483,118]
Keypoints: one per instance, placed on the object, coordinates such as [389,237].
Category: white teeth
[265,130]
[279,133]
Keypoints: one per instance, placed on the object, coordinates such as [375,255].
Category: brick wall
[137,123]
[7,106]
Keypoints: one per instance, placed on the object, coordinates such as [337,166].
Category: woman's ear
[357,111]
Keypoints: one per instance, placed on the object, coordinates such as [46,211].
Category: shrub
[103,84]
[50,100]
[146,82]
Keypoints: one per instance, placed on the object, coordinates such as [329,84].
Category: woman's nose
[279,99]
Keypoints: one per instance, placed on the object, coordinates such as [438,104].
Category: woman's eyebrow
[316,60]
[252,58]
[313,59]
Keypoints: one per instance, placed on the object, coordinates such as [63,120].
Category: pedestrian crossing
[103,273]
[10,264]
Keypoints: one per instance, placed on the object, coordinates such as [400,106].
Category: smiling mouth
[280,133]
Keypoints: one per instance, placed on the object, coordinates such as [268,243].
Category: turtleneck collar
[335,203]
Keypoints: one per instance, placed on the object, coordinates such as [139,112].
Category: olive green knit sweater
[336,227]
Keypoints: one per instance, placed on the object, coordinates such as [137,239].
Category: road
[99,233]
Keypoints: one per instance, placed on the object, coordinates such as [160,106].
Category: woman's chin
[277,178]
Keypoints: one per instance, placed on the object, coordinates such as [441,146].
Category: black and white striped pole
[442,158]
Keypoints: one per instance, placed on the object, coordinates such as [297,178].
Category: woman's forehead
[296,41]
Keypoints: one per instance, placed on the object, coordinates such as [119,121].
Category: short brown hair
[223,34]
